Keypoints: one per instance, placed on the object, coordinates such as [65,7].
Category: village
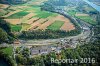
[37,48]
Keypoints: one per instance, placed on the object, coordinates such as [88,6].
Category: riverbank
[93,5]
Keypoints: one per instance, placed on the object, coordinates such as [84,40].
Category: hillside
[5,32]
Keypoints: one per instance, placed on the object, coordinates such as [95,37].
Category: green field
[32,8]
[44,14]
[3,12]
[56,25]
[16,28]
[7,50]
[71,12]
[25,26]
[87,19]
[18,15]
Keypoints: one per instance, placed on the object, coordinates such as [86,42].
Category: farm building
[40,50]
[17,42]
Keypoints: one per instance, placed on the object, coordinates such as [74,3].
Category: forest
[5,32]
[47,34]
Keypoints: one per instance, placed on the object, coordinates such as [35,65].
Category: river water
[93,5]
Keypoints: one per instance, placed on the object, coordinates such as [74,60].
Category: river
[93,5]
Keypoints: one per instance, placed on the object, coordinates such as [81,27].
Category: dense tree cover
[57,2]
[5,32]
[47,7]
[5,26]
[51,5]
[47,34]
[96,30]
[3,36]
[8,60]
[23,56]
[90,50]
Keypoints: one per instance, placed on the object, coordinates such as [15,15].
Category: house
[40,50]
[34,52]
[17,42]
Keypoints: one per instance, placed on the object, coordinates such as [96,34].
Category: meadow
[72,12]
[18,15]
[56,25]
[82,16]
[7,50]
[87,19]
[16,28]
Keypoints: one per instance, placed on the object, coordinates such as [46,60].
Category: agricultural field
[72,12]
[85,17]
[16,28]
[56,25]
[3,9]
[30,17]
[24,26]
[88,8]
[7,50]
[18,15]
[44,14]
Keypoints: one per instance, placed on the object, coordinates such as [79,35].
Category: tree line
[6,35]
[47,34]
[6,59]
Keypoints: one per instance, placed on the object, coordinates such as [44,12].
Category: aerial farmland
[30,17]
[33,32]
